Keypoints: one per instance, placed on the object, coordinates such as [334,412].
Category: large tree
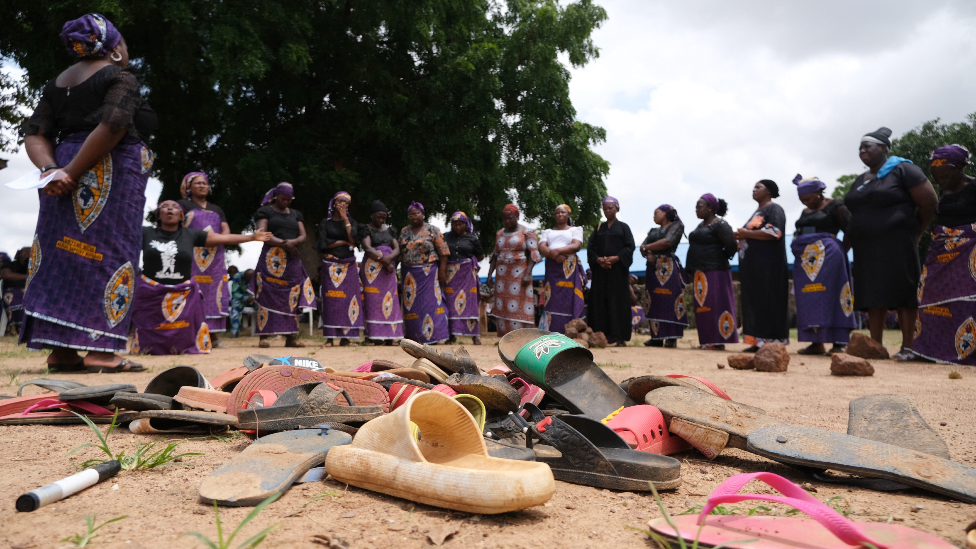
[459,104]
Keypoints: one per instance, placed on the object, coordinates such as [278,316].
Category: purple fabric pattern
[13,302]
[562,294]
[946,326]
[665,282]
[210,271]
[282,188]
[714,302]
[281,289]
[342,298]
[461,300]
[637,316]
[809,185]
[822,287]
[82,271]
[90,35]
[169,319]
[424,313]
[381,300]
[950,155]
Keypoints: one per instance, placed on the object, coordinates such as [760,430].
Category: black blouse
[111,95]
[465,246]
[880,206]
[710,247]
[959,208]
[331,231]
[832,218]
[672,233]
[609,240]
[281,225]
[378,237]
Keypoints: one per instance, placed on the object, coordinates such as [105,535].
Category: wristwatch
[50,167]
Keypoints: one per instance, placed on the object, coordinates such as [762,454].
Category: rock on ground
[583,342]
[597,339]
[577,324]
[572,333]
[843,364]
[863,346]
[772,357]
[741,362]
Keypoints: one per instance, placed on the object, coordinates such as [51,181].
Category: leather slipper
[141,402]
[453,361]
[280,378]
[96,394]
[494,393]
[305,406]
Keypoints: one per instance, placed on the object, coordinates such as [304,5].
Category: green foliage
[918,143]
[460,105]
[14,97]
[12,375]
[81,540]
[145,457]
[250,543]
[843,185]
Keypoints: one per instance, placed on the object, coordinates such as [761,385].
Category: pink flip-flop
[828,529]
[529,393]
[36,413]
[643,428]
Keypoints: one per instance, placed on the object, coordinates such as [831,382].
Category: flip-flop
[454,361]
[211,419]
[706,421]
[400,389]
[96,394]
[269,466]
[494,393]
[643,428]
[227,380]
[564,370]
[170,381]
[53,385]
[305,406]
[584,451]
[841,452]
[447,467]
[528,393]
[638,387]
[828,529]
[185,423]
[299,362]
[35,414]
[198,398]
[253,362]
[16,405]
[429,368]
[409,373]
[280,378]
[141,402]
[124,365]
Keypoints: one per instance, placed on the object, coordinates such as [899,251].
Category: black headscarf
[771,186]
[378,206]
[882,135]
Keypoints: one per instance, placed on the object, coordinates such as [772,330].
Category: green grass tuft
[81,540]
[250,543]
[147,456]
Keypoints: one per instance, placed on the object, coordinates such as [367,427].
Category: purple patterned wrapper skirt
[714,302]
[281,289]
[342,301]
[562,294]
[13,303]
[462,298]
[665,282]
[169,319]
[822,287]
[381,300]
[424,314]
[946,326]
[210,271]
[82,272]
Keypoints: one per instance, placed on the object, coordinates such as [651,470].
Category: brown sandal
[125,365]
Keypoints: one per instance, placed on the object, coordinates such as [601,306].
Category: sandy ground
[162,504]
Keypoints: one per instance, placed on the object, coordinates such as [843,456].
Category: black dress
[378,237]
[331,231]
[825,220]
[710,247]
[608,302]
[464,246]
[883,232]
[281,225]
[765,278]
[959,208]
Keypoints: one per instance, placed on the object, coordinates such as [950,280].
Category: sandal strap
[577,450]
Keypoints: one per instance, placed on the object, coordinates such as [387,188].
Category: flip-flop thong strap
[715,389]
[88,407]
[846,530]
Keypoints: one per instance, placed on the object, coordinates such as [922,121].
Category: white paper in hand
[33,180]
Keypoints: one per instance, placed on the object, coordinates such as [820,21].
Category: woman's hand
[59,187]
[560,259]
[261,235]
[341,208]
[643,251]
[442,277]
[527,278]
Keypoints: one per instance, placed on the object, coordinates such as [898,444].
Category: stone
[439,534]
[772,357]
[863,346]
[720,366]
[583,342]
[572,333]
[741,361]
[588,330]
[599,340]
[577,324]
[843,364]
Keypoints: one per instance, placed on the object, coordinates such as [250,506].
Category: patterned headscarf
[956,156]
[338,195]
[569,211]
[809,185]
[160,206]
[461,216]
[612,200]
[710,199]
[188,179]
[90,36]
[667,208]
[281,188]
[417,205]
[510,208]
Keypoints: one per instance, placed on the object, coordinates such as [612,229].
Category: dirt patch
[162,504]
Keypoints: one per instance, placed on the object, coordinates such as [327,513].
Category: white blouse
[560,239]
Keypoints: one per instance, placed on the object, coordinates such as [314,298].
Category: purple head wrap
[956,156]
[188,179]
[281,188]
[417,205]
[461,216]
[808,186]
[90,36]
[668,208]
[710,199]
[160,205]
[338,195]
[612,200]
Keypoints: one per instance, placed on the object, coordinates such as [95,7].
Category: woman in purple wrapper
[208,268]
[821,272]
[168,309]
[562,292]
[342,307]
[381,298]
[461,292]
[92,124]
[711,245]
[280,286]
[665,280]
[424,254]
[946,327]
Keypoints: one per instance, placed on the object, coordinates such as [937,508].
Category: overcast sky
[711,96]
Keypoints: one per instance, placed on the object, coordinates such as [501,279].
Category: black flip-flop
[564,370]
[53,385]
[305,406]
[169,382]
[142,402]
[125,365]
[96,394]
[55,367]
[181,421]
